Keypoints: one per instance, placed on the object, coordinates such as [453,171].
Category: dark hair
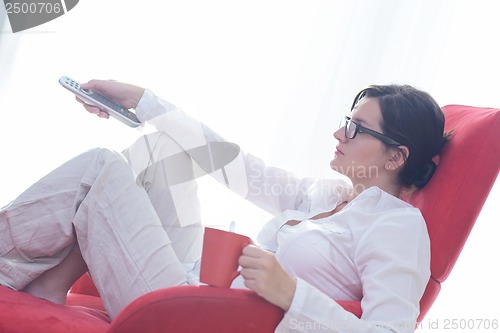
[413,118]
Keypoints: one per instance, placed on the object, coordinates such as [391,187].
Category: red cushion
[452,200]
[84,285]
[454,197]
[203,309]
[88,302]
[198,309]
[22,313]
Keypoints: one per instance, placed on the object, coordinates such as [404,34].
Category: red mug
[219,259]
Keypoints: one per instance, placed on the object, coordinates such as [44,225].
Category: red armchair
[450,204]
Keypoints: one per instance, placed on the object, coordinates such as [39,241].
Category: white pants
[129,235]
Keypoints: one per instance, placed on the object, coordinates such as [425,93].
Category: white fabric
[376,249]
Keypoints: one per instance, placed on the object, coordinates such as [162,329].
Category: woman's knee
[157,156]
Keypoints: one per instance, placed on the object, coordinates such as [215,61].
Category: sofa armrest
[197,309]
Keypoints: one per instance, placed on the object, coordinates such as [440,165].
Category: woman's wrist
[287,294]
[136,96]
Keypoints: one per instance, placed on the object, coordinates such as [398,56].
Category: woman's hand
[125,94]
[264,275]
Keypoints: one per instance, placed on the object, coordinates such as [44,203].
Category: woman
[329,239]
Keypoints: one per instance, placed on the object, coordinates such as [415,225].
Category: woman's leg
[54,284]
[92,199]
[36,230]
[167,174]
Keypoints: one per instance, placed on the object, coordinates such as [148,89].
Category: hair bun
[423,175]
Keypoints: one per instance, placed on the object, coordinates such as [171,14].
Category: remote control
[93,98]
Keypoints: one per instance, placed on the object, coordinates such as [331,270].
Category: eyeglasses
[352,128]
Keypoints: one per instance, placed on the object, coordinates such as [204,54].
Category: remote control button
[88,92]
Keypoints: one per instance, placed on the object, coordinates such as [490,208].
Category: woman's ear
[398,158]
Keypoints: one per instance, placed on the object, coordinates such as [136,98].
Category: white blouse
[376,249]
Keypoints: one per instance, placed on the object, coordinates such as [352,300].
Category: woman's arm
[272,189]
[393,261]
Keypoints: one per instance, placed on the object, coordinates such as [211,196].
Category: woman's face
[365,156]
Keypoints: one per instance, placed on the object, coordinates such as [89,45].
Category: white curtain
[274,76]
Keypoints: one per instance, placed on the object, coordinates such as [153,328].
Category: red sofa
[450,204]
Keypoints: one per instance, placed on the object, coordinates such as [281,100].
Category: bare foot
[53,285]
[39,288]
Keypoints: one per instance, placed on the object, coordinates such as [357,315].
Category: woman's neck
[386,186]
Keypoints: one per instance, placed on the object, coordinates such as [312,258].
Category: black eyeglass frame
[361,129]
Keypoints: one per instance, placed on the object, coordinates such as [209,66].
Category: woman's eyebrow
[359,121]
